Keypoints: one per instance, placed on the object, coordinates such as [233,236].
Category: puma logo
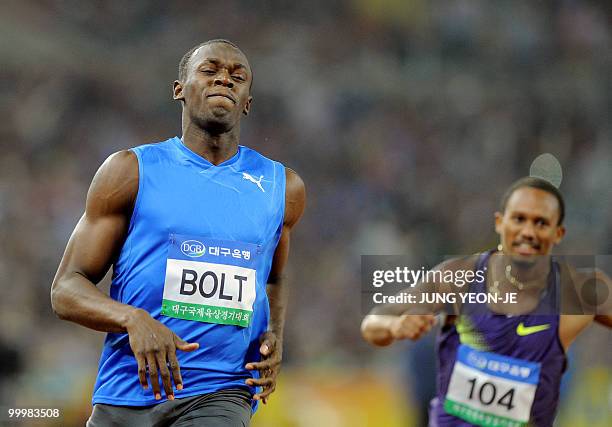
[249,177]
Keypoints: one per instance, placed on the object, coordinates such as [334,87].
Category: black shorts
[224,408]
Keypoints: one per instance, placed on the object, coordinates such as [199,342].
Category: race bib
[210,280]
[488,389]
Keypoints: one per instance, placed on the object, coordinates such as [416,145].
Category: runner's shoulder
[119,167]
[581,276]
[115,184]
[584,275]
[295,184]
[123,161]
[295,197]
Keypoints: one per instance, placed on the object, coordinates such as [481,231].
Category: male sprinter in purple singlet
[197,230]
[500,364]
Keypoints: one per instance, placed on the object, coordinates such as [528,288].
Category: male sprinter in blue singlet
[501,364]
[197,230]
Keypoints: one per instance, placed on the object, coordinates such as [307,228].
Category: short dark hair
[540,184]
[182,71]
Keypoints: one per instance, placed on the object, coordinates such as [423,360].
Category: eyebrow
[535,216]
[215,61]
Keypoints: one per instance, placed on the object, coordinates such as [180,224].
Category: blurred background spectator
[406,119]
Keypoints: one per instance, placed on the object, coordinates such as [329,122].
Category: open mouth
[524,248]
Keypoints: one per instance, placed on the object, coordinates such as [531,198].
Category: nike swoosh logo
[522,330]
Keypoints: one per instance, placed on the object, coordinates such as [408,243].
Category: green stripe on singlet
[468,334]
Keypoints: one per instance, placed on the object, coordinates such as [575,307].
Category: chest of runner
[210,280]
[489,389]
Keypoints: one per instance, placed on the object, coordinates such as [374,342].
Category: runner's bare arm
[94,245]
[272,340]
[92,248]
[572,325]
[593,291]
[604,319]
[604,311]
[389,322]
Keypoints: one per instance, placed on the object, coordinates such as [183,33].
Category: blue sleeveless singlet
[196,257]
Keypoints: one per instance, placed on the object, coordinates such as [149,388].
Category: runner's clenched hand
[411,326]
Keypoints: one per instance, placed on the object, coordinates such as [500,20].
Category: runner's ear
[247,106]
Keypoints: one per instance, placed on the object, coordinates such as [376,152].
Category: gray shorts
[224,408]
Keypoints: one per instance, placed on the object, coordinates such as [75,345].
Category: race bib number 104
[489,389]
[210,280]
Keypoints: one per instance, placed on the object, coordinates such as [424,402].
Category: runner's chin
[524,261]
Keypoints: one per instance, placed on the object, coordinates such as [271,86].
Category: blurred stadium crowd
[406,119]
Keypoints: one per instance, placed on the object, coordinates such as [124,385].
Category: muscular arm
[276,288]
[604,311]
[603,314]
[295,199]
[92,248]
[571,325]
[387,323]
[604,319]
[94,245]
